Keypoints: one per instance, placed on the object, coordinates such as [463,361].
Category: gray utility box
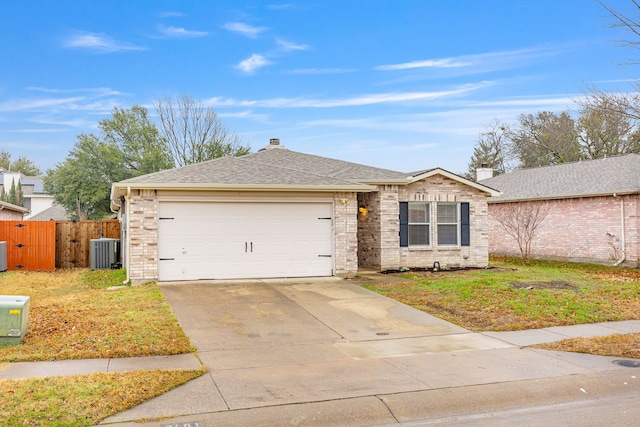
[14,319]
[3,256]
[103,253]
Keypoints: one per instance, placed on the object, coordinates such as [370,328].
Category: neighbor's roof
[620,175]
[55,212]
[12,207]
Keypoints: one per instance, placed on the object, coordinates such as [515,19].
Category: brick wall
[143,236]
[436,189]
[584,229]
[345,226]
[378,232]
[9,215]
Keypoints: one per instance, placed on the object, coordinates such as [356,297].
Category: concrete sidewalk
[328,352]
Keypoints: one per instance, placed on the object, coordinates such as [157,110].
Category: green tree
[19,195]
[21,164]
[129,145]
[194,133]
[12,197]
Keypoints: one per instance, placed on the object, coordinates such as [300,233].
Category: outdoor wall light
[363,211]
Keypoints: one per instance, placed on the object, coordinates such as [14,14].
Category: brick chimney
[484,172]
[273,143]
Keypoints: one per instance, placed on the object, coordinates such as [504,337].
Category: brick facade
[10,215]
[142,229]
[584,229]
[345,223]
[378,231]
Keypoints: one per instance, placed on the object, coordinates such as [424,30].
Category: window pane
[419,212]
[447,213]
[418,235]
[447,234]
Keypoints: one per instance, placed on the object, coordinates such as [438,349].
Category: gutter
[624,245]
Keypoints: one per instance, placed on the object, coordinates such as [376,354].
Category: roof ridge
[294,169]
[328,158]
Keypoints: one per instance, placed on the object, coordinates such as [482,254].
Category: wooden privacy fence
[73,240]
[31,245]
[47,245]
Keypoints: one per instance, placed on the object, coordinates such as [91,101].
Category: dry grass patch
[619,345]
[74,316]
[83,400]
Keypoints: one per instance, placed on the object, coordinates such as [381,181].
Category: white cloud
[252,63]
[483,61]
[98,42]
[98,91]
[368,99]
[36,104]
[287,46]
[178,32]
[429,63]
[244,29]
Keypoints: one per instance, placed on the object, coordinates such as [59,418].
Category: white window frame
[427,224]
[456,223]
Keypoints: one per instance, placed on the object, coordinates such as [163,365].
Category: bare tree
[493,148]
[604,131]
[195,133]
[545,138]
[521,221]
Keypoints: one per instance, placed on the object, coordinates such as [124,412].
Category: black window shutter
[404,224]
[465,225]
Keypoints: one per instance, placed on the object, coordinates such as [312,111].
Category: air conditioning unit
[14,319]
[3,256]
[103,253]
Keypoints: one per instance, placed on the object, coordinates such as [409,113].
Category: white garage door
[244,240]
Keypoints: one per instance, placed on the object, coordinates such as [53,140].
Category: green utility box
[14,319]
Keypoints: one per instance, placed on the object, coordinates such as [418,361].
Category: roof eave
[438,171]
[562,196]
[120,189]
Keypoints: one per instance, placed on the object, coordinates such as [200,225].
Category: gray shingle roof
[271,167]
[239,171]
[620,174]
[323,166]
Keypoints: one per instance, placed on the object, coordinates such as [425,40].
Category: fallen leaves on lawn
[73,318]
[83,400]
[619,345]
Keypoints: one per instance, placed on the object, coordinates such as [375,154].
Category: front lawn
[74,316]
[514,296]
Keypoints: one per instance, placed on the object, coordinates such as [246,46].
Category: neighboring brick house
[10,212]
[593,210]
[280,213]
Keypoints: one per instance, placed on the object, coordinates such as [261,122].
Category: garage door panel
[244,240]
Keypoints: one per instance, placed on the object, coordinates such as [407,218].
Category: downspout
[127,236]
[624,245]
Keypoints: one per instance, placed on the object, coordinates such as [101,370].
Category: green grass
[490,300]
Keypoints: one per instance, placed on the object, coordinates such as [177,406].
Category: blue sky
[405,85]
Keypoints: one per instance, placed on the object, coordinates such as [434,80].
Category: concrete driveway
[340,348]
[290,341]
